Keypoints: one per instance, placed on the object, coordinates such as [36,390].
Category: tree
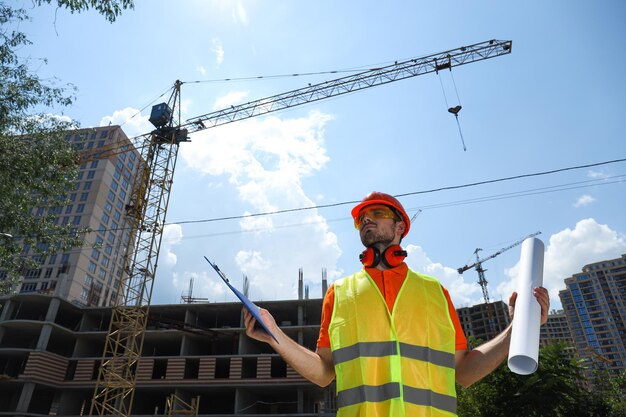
[554,390]
[110,9]
[37,165]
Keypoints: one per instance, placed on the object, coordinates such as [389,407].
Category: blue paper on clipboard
[249,305]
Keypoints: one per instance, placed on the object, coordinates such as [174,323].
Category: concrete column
[44,337]
[53,309]
[6,313]
[7,310]
[25,397]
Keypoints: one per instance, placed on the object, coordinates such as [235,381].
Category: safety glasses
[375,212]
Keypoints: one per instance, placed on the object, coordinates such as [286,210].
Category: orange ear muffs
[370,257]
[393,256]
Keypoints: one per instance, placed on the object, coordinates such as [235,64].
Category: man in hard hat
[390,336]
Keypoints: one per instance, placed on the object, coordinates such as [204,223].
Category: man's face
[378,224]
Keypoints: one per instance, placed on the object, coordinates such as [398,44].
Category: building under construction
[50,353]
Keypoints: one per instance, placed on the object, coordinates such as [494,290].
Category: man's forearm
[314,366]
[481,361]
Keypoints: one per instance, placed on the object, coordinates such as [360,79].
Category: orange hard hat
[377,197]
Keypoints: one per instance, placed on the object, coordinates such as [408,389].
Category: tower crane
[147,207]
[482,281]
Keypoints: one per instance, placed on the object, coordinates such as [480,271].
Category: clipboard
[249,305]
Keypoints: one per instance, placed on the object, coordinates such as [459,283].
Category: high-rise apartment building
[89,275]
[481,323]
[595,306]
[556,329]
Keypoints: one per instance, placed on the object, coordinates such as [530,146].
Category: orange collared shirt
[389,283]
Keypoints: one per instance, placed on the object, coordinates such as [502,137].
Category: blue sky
[555,102]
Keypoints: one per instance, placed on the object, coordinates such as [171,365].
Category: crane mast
[149,200]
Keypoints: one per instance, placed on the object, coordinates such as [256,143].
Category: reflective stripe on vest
[399,364]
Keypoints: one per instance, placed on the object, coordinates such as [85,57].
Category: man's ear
[400,227]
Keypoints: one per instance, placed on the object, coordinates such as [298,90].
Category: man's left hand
[541,294]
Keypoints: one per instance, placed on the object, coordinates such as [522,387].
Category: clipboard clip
[217,269]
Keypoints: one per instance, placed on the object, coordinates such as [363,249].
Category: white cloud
[566,254]
[584,200]
[172,235]
[234,97]
[265,161]
[240,14]
[131,120]
[218,51]
[461,292]
[596,174]
[201,69]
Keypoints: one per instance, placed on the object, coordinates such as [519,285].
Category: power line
[542,190]
[432,190]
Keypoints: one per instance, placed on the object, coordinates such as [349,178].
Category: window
[66,220]
[40,211]
[114,185]
[84,196]
[108,207]
[84,294]
[95,254]
[105,218]
[123,195]
[120,165]
[94,164]
[116,215]
[91,175]
[108,250]
[76,220]
[89,145]
[102,274]
[29,287]
[88,280]
[68,209]
[53,259]
[117,175]
[73,197]
[87,185]
[32,273]
[100,143]
[104,134]
[92,267]
[80,208]
[105,261]
[48,273]
[125,184]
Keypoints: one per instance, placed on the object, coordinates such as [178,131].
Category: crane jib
[344,85]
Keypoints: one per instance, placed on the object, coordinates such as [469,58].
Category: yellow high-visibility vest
[393,364]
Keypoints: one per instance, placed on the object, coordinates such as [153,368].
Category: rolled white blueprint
[524,348]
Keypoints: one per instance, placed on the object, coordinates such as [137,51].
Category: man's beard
[377,237]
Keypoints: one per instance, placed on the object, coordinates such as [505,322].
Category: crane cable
[456,109]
